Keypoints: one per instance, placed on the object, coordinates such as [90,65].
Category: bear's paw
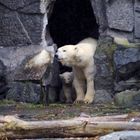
[88,99]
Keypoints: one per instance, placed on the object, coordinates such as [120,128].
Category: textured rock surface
[99,9]
[23,27]
[120,15]
[24,92]
[15,57]
[118,18]
[103,97]
[3,83]
[127,98]
[20,22]
[121,18]
[127,68]
[124,56]
[117,69]
[24,32]
[104,79]
[122,135]
[137,18]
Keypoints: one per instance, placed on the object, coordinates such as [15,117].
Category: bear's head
[67,78]
[67,55]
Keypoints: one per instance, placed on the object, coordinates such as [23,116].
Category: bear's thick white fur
[67,93]
[80,58]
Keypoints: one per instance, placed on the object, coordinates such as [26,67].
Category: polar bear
[67,93]
[80,58]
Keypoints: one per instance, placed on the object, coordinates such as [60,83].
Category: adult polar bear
[80,58]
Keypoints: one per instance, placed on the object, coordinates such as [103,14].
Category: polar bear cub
[80,58]
[67,93]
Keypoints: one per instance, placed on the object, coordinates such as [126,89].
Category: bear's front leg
[89,97]
[78,85]
[89,75]
[68,93]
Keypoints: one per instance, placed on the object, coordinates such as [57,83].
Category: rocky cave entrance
[70,22]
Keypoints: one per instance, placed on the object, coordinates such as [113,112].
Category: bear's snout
[56,56]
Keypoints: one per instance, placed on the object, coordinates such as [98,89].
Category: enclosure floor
[62,111]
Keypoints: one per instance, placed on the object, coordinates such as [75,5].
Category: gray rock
[137,23]
[104,82]
[127,98]
[123,56]
[22,22]
[102,97]
[16,57]
[55,81]
[122,135]
[16,70]
[137,18]
[116,33]
[3,83]
[99,9]
[24,92]
[2,69]
[30,7]
[127,68]
[17,4]
[53,95]
[32,24]
[23,35]
[104,79]
[13,32]
[131,83]
[120,14]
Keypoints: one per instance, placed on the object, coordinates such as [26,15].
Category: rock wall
[104,77]
[117,72]
[18,20]
[23,35]
[118,18]
[118,65]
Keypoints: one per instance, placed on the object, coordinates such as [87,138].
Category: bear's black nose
[56,56]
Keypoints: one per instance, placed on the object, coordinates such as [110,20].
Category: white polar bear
[67,92]
[80,58]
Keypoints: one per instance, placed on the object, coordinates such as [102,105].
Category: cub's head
[66,54]
[66,77]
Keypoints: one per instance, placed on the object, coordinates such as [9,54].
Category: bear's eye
[64,50]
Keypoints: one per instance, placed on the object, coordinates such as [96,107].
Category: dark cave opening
[71,21]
